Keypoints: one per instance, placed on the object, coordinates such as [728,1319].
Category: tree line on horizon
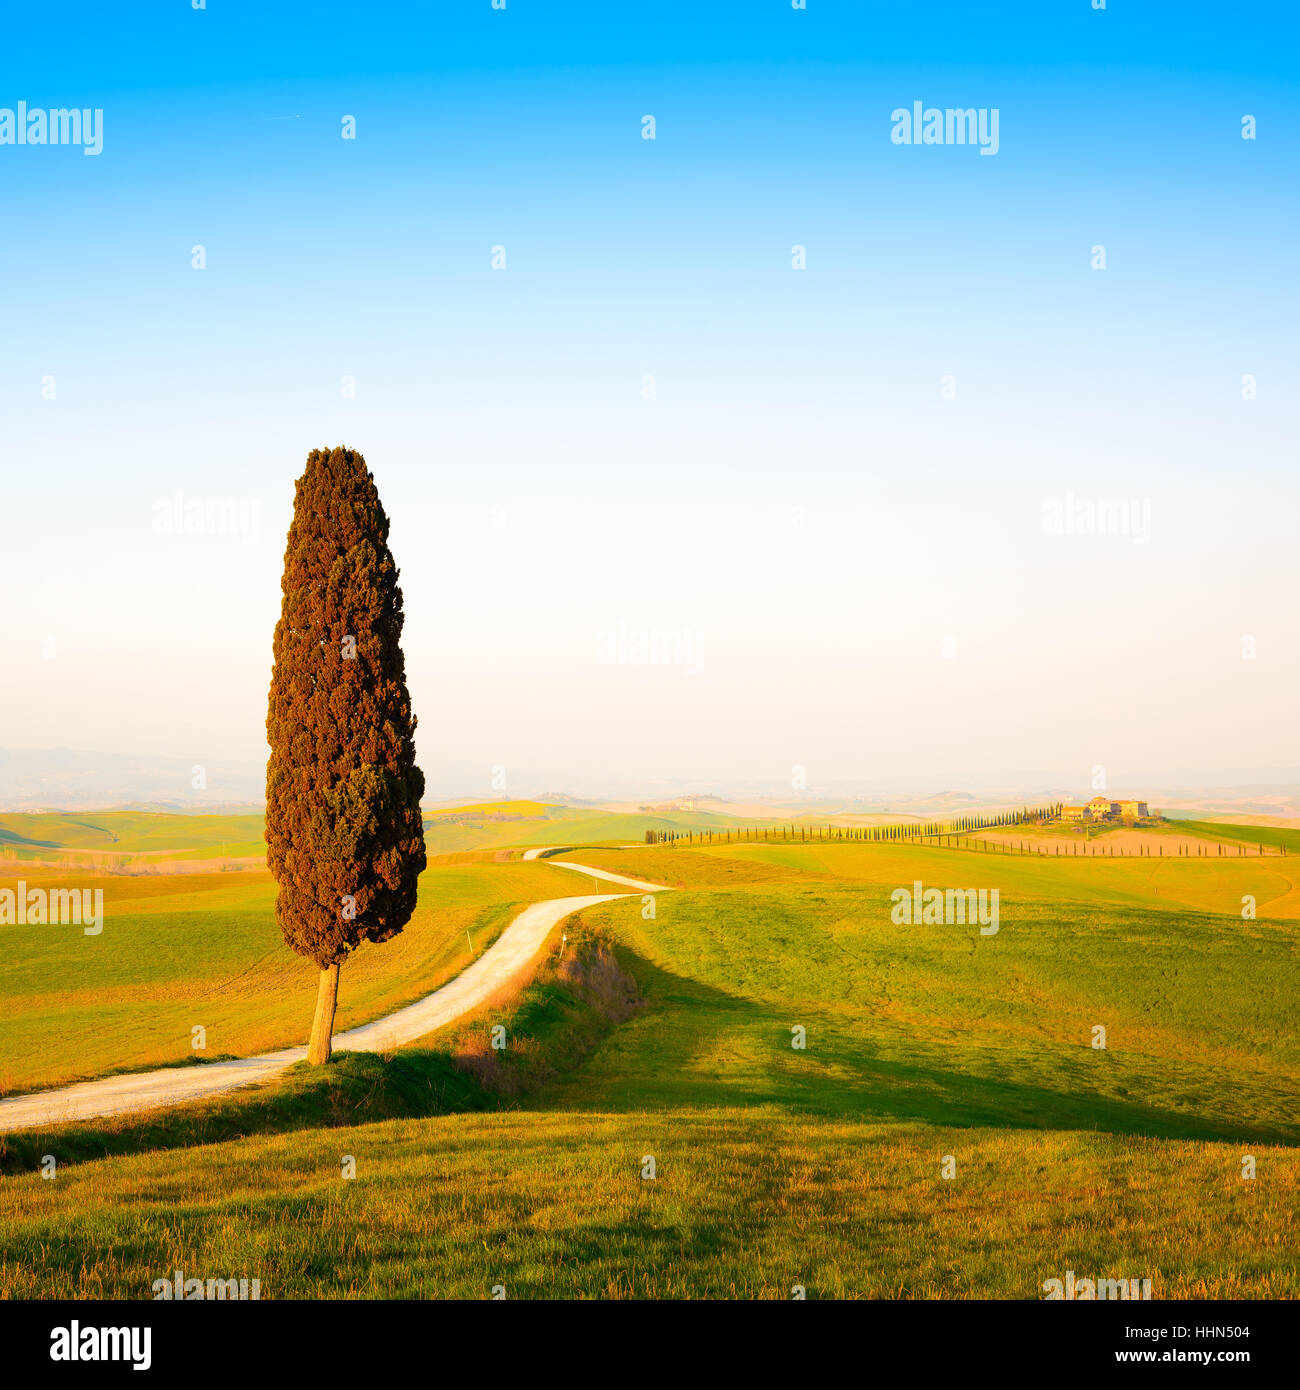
[868,834]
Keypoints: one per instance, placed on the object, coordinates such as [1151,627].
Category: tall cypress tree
[344,835]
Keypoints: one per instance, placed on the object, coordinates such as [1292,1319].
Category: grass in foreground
[743,1204]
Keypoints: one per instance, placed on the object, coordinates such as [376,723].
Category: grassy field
[143,840]
[119,837]
[204,949]
[744,1204]
[774,1166]
[1216,885]
[534,823]
[1274,837]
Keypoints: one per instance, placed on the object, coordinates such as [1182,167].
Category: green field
[180,950]
[1274,837]
[138,840]
[774,1166]
[118,837]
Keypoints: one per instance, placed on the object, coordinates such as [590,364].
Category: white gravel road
[503,964]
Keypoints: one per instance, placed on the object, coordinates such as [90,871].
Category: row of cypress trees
[869,834]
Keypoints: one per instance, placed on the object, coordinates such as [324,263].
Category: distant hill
[114,837]
[490,810]
[76,780]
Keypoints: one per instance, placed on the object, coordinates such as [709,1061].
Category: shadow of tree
[700,1046]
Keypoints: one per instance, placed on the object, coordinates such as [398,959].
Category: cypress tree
[344,835]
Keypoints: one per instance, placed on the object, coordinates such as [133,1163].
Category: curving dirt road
[503,964]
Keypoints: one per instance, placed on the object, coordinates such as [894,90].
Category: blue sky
[797,492]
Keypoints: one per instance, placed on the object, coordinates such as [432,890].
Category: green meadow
[138,840]
[184,950]
[1272,836]
[527,823]
[119,838]
[827,1098]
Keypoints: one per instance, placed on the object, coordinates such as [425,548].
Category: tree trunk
[322,1028]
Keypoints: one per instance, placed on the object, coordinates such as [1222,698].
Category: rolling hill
[949,1127]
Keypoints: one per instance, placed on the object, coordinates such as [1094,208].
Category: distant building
[1103,808]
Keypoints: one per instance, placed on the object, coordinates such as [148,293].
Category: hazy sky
[664,505]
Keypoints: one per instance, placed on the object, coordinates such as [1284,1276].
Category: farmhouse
[1103,808]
